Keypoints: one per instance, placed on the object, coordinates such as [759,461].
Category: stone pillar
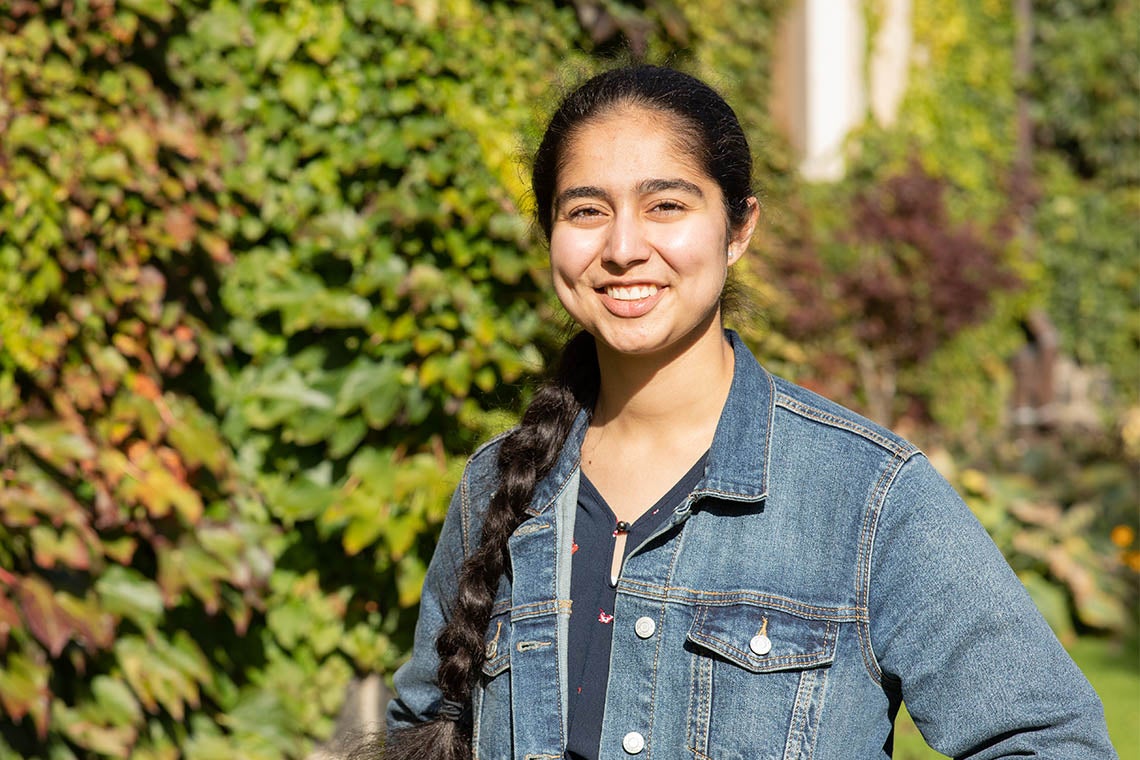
[361,719]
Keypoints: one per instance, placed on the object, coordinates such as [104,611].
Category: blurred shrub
[1063,510]
[895,283]
[1086,93]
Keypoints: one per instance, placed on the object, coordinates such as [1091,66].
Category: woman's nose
[627,244]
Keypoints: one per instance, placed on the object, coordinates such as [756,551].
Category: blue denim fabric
[872,580]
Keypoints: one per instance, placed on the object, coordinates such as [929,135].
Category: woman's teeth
[631,293]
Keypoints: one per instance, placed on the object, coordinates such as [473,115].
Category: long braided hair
[709,133]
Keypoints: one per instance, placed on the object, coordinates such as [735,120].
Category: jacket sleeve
[952,627]
[418,694]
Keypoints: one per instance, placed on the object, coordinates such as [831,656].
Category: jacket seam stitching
[795,406]
[866,554]
[464,488]
[657,648]
[724,598]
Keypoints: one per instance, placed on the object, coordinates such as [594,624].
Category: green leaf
[115,701]
[127,593]
[24,688]
[109,167]
[299,86]
[156,10]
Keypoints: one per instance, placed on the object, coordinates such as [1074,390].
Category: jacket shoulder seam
[464,481]
[895,446]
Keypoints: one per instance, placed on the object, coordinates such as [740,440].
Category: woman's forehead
[637,145]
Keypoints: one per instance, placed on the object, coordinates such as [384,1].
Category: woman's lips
[630,300]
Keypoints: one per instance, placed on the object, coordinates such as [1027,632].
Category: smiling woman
[679,555]
[640,240]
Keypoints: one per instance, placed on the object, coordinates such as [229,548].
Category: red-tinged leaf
[46,620]
[115,741]
[128,346]
[9,619]
[93,626]
[180,225]
[83,387]
[217,247]
[145,387]
[184,334]
[173,464]
[180,134]
[65,548]
[151,483]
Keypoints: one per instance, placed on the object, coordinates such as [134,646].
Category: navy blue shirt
[592,601]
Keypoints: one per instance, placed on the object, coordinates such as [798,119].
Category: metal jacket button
[633,742]
[644,627]
[760,644]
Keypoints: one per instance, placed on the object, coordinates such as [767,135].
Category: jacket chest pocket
[758,676]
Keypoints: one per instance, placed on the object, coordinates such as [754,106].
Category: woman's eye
[584,212]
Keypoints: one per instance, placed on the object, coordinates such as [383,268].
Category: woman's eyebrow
[582,191]
[661,185]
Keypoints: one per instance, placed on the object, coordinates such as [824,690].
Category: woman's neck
[670,395]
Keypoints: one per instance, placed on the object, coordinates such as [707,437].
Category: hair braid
[525,457]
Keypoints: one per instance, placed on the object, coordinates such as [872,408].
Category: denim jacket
[819,574]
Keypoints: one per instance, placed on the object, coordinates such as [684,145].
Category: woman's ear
[738,244]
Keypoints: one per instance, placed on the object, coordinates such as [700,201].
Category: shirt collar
[737,465]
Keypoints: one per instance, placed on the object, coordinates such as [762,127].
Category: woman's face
[640,246]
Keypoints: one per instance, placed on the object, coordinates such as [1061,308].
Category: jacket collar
[739,458]
[738,462]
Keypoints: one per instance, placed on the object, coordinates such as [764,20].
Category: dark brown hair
[711,134]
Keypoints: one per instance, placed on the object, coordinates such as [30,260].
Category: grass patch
[1113,670]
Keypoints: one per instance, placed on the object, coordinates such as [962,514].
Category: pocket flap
[763,639]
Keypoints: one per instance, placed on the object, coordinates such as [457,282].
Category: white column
[835,99]
[890,60]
